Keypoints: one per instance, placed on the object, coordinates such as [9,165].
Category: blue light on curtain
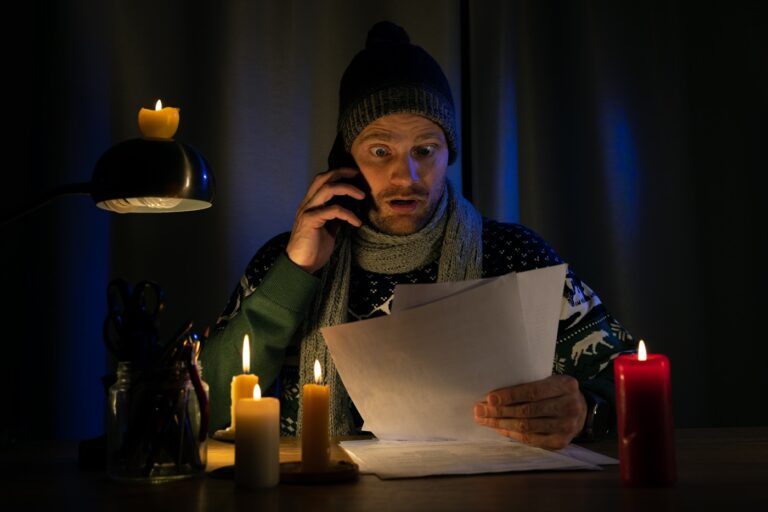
[267,150]
[620,165]
[81,360]
[507,187]
[493,72]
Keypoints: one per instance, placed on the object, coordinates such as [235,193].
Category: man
[402,223]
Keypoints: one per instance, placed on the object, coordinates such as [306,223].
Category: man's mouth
[403,205]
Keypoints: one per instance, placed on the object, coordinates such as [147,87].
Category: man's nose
[405,171]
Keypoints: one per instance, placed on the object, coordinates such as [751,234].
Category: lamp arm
[31,206]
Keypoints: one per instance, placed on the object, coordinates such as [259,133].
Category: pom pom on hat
[386,32]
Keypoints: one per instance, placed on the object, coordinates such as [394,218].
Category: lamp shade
[152,176]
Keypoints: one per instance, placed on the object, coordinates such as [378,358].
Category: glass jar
[154,421]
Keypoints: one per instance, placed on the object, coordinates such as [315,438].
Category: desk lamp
[151,174]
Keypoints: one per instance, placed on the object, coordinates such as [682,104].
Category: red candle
[644,419]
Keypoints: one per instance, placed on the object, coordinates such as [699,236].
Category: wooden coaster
[338,471]
[227,435]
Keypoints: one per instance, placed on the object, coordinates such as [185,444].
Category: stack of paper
[415,375]
[407,459]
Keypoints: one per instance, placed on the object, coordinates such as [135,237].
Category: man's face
[404,159]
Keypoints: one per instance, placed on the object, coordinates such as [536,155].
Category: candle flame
[641,353]
[257,392]
[318,373]
[246,354]
[159,105]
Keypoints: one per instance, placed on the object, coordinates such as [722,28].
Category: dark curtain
[636,133]
[627,134]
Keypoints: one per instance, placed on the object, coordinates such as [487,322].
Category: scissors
[130,328]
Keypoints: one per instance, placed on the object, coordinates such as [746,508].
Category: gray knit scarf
[454,234]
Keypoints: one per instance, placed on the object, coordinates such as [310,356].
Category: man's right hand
[312,237]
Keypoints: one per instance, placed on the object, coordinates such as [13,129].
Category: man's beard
[404,224]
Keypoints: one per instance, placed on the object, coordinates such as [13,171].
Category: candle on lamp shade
[160,123]
[644,418]
[257,441]
[315,443]
[243,384]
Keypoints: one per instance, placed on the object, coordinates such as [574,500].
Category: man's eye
[424,151]
[379,151]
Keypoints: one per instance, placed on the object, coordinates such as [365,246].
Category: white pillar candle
[257,441]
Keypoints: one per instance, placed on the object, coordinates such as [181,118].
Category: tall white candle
[257,441]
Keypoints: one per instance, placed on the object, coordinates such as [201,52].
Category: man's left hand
[547,413]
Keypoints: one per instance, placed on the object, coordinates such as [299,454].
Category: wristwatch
[597,424]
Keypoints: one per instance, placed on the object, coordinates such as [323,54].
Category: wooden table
[724,469]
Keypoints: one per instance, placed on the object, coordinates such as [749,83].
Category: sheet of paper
[536,289]
[415,374]
[406,459]
[409,296]
[588,456]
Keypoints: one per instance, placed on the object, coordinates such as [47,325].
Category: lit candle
[644,418]
[257,441]
[243,384]
[160,123]
[315,448]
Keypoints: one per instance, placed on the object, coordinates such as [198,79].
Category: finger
[480,409]
[328,192]
[564,405]
[547,441]
[552,386]
[316,218]
[327,177]
[543,426]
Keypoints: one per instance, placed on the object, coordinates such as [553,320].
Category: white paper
[406,459]
[540,293]
[417,373]
[412,295]
[579,452]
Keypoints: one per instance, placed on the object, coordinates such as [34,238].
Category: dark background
[629,134]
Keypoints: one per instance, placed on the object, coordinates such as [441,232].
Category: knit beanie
[390,76]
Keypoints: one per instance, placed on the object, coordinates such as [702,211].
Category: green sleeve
[270,316]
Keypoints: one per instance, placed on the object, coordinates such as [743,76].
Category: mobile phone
[359,207]
[339,157]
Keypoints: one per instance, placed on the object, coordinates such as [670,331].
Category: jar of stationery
[157,423]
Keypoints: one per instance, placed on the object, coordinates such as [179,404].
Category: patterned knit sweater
[588,337]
